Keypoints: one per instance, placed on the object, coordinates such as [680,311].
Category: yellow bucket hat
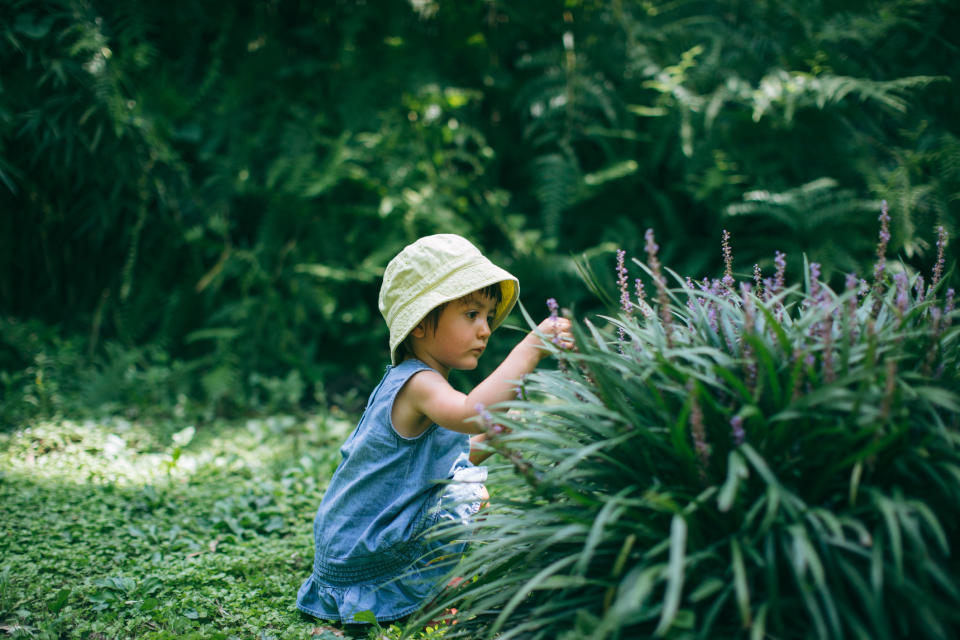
[434,270]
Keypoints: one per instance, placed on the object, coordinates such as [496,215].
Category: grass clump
[730,460]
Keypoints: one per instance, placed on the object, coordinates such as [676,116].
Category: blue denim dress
[371,554]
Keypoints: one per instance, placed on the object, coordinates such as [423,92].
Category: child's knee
[484,497]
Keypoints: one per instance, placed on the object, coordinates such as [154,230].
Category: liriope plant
[730,459]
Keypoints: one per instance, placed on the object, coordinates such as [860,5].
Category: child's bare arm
[430,394]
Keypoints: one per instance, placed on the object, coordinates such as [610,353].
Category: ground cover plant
[733,459]
[119,529]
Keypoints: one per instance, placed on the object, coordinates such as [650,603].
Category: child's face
[460,337]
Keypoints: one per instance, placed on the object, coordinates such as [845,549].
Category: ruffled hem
[389,601]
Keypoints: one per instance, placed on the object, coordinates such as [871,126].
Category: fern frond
[556,181]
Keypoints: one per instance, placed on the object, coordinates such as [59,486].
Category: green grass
[113,529]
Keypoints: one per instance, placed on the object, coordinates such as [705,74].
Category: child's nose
[484,329]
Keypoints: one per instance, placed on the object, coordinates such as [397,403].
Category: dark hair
[493,292]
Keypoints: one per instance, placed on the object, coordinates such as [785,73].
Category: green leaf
[943,398]
[612,172]
[736,471]
[893,529]
[671,600]
[759,627]
[608,515]
[58,602]
[706,589]
[740,583]
[366,616]
[855,474]
[622,556]
[634,589]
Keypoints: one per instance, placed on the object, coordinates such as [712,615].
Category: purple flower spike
[641,295]
[698,433]
[903,288]
[625,304]
[651,246]
[554,315]
[780,261]
[691,301]
[727,260]
[881,264]
[736,428]
[941,245]
[622,282]
[663,300]
[815,282]
[553,307]
[884,223]
[851,281]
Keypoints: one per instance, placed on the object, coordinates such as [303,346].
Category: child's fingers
[559,331]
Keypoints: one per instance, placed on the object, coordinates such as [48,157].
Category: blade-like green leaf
[675,574]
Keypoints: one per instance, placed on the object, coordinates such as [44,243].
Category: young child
[410,463]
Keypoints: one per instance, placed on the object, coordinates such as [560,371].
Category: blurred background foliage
[197,199]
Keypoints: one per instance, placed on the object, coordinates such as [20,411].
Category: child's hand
[556,330]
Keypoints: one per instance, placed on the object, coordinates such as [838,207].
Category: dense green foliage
[733,461]
[117,529]
[199,197]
